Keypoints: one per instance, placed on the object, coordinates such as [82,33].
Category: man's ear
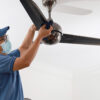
[1,48]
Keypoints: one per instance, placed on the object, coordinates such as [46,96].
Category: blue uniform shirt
[10,82]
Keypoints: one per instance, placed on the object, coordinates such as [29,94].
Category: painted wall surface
[62,71]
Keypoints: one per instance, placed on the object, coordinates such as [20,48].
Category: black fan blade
[34,12]
[72,10]
[65,1]
[74,39]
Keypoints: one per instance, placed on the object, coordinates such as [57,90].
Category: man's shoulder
[15,53]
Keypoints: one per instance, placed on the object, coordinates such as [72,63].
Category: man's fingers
[33,27]
[51,28]
[44,26]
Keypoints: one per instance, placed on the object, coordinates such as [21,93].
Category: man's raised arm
[27,57]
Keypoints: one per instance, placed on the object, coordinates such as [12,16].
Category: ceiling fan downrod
[49,5]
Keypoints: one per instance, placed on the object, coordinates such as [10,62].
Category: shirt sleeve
[6,63]
[15,53]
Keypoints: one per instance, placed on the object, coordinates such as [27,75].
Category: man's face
[2,39]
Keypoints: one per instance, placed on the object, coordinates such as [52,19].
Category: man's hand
[28,39]
[32,28]
[43,32]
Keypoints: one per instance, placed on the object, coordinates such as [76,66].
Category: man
[11,62]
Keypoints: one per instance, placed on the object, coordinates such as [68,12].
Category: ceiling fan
[56,36]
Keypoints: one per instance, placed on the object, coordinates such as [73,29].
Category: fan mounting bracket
[49,3]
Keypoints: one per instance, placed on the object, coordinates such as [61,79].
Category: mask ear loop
[7,38]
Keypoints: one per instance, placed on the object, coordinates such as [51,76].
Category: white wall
[86,85]
[62,71]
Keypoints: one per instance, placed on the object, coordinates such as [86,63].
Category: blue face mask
[6,46]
